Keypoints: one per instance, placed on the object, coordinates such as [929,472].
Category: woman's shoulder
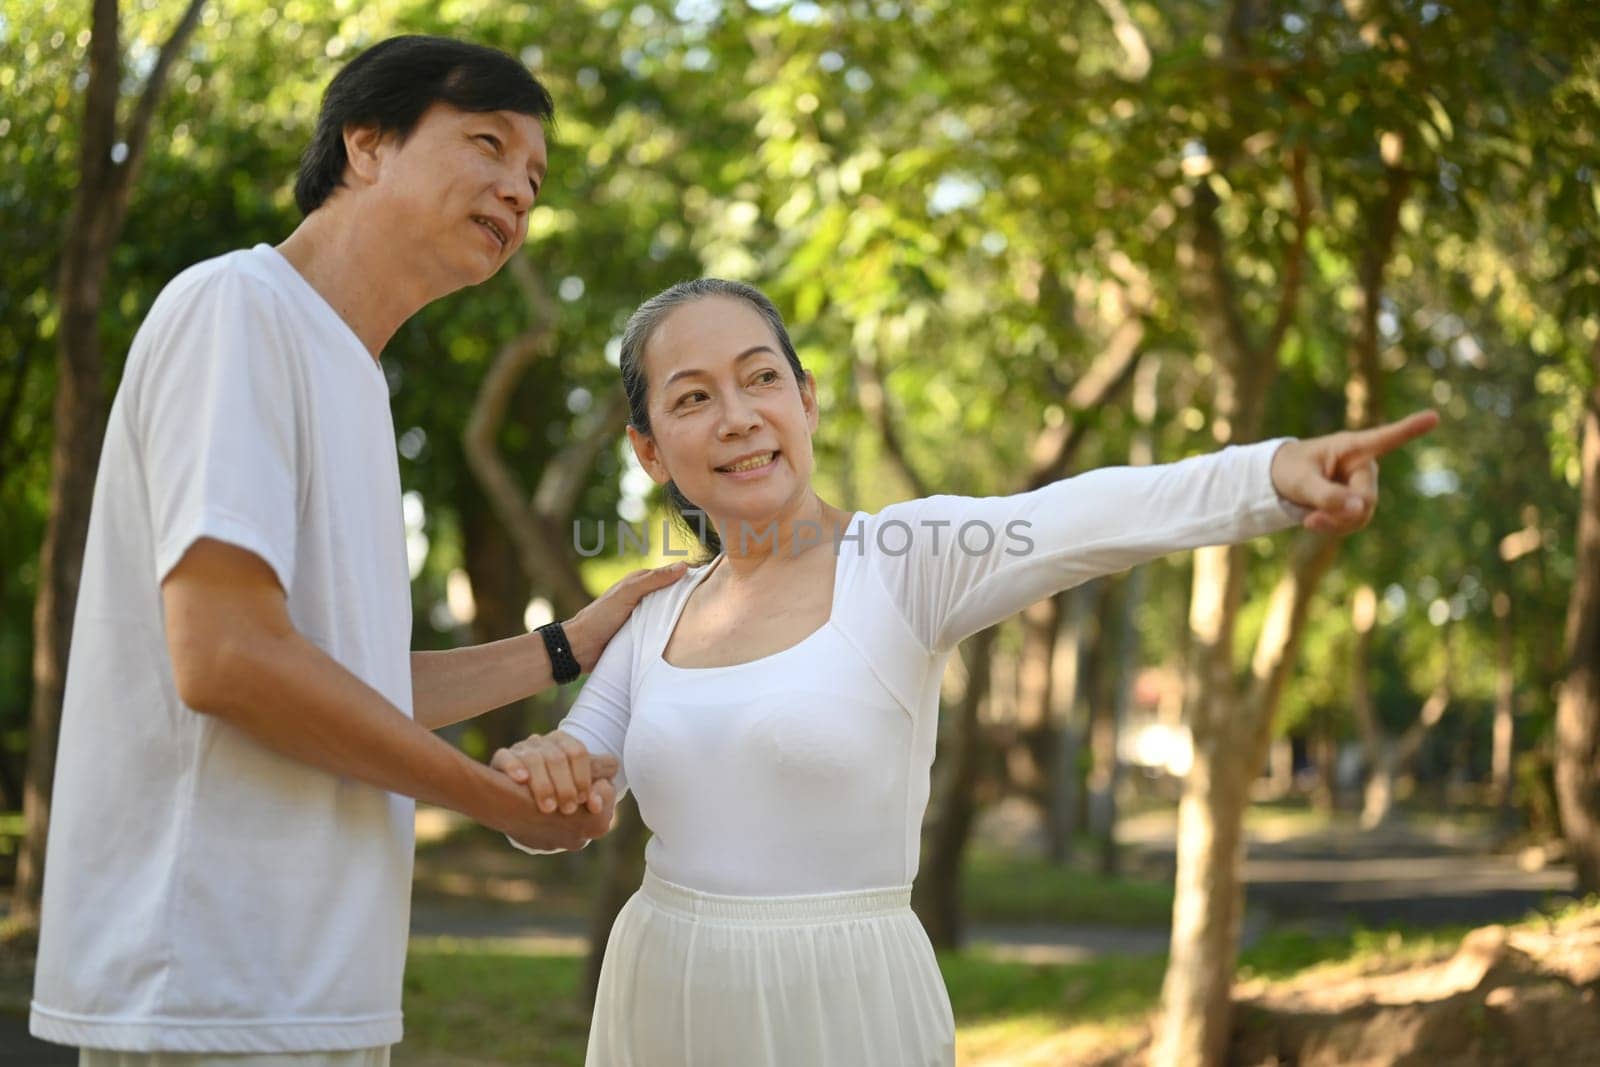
[659,608]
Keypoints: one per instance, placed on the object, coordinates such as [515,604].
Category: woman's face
[728,423]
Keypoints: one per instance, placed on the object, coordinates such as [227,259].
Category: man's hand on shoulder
[590,630]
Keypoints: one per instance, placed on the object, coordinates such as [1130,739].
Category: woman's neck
[749,546]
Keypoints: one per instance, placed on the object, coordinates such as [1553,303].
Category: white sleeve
[217,426]
[969,562]
[599,717]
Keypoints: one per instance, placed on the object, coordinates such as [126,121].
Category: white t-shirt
[806,771]
[202,893]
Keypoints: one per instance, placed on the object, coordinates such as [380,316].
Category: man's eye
[491,140]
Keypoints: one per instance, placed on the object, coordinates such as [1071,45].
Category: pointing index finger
[1381,440]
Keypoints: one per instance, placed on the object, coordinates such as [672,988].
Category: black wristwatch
[563,664]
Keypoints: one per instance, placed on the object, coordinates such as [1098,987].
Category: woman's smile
[752,466]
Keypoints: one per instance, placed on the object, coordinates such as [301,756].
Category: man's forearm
[344,726]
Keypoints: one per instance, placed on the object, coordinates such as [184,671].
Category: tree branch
[100,98]
[535,522]
[1363,390]
[139,125]
[564,476]
[1432,709]
[1136,53]
[874,401]
[13,402]
[533,289]
[479,441]
[1310,557]
[1222,327]
[1363,618]
[1295,256]
[1053,449]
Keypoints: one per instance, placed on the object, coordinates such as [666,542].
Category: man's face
[458,190]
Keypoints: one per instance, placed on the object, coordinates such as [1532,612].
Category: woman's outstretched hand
[1336,475]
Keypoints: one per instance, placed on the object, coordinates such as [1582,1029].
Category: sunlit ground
[517,1000]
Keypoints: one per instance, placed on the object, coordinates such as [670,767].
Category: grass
[472,1003]
[475,1003]
[1001,888]
[468,1003]
[465,999]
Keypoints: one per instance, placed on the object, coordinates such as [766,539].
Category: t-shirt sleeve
[599,717]
[958,564]
[216,422]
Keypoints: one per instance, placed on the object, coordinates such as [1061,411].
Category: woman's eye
[691,398]
[491,140]
[766,377]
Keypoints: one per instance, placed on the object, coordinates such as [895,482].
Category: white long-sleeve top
[807,770]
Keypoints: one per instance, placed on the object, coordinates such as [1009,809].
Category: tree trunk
[1323,749]
[1108,760]
[74,456]
[1505,704]
[1208,908]
[1377,799]
[1280,768]
[1028,761]
[1067,671]
[1193,1027]
[98,212]
[1394,758]
[1231,733]
[500,593]
[1106,778]
[937,897]
[1578,709]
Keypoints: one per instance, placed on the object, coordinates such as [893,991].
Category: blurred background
[1013,241]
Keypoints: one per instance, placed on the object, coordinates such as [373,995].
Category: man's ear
[644,447]
[363,150]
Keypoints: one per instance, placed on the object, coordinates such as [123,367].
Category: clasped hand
[559,772]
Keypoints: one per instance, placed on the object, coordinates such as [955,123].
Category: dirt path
[1413,873]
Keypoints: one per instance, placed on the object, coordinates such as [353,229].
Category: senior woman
[775,711]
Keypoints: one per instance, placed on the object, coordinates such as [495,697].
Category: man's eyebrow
[691,371]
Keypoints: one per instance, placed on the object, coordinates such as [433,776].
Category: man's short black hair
[392,83]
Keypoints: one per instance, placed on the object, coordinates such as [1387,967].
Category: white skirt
[696,979]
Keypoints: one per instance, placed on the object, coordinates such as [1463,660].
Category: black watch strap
[563,664]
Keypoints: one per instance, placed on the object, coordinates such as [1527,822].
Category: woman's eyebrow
[691,371]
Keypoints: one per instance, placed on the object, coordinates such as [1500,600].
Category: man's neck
[335,253]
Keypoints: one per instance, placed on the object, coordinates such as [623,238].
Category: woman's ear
[363,148]
[644,447]
[808,398]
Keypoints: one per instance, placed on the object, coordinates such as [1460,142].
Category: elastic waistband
[811,908]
